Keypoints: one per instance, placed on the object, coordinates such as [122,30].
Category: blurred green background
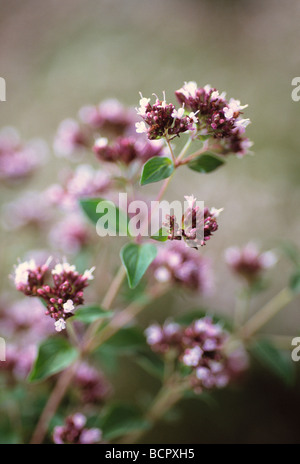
[58,56]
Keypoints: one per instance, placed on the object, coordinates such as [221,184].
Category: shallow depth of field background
[58,56]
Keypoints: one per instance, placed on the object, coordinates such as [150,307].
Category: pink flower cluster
[70,234]
[163,120]
[127,149]
[74,432]
[84,182]
[248,262]
[93,386]
[74,137]
[197,225]
[18,159]
[176,263]
[62,297]
[202,347]
[217,117]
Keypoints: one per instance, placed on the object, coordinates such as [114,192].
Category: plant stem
[191,157]
[52,404]
[66,376]
[184,149]
[171,150]
[241,307]
[123,318]
[166,398]
[259,319]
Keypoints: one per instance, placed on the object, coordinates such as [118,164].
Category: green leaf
[136,260]
[161,235]
[205,163]
[127,339]
[295,282]
[89,314]
[151,363]
[116,220]
[276,361]
[156,169]
[54,355]
[121,419]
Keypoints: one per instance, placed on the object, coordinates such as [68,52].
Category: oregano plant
[79,313]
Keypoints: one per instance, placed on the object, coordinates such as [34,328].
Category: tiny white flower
[22,271]
[192,356]
[171,328]
[69,306]
[202,373]
[268,259]
[188,89]
[101,142]
[143,105]
[63,267]
[228,112]
[79,420]
[216,212]
[140,127]
[162,274]
[236,106]
[88,274]
[178,114]
[241,124]
[174,259]
[60,325]
[214,95]
[191,200]
[193,117]
[153,334]
[207,88]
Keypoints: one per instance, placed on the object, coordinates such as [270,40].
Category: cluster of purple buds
[71,234]
[20,213]
[197,225]
[163,120]
[109,116]
[18,159]
[202,347]
[74,137]
[176,263]
[217,117]
[65,294]
[93,386]
[127,149]
[15,322]
[248,262]
[165,337]
[19,359]
[84,182]
[74,432]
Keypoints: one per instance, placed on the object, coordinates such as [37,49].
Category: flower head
[74,432]
[216,117]
[249,262]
